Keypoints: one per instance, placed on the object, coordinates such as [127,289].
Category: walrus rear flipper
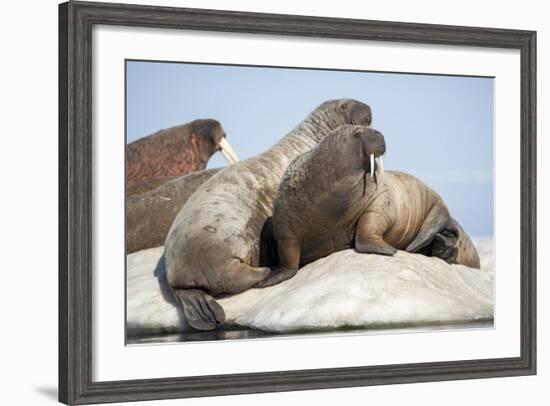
[201,310]
[437,220]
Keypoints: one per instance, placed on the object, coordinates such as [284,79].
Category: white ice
[346,289]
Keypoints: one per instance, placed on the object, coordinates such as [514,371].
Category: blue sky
[438,128]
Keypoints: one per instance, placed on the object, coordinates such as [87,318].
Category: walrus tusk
[371,164]
[380,168]
[227,151]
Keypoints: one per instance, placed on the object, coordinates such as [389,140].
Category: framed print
[259,202]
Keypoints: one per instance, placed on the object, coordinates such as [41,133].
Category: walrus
[213,247]
[337,196]
[149,215]
[148,185]
[176,151]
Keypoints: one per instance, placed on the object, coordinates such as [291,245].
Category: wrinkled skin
[328,202]
[148,185]
[175,151]
[213,247]
[149,215]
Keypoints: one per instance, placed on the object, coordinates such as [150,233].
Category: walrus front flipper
[374,245]
[238,276]
[201,310]
[289,262]
[437,220]
[369,234]
[276,276]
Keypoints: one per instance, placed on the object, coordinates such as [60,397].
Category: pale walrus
[213,246]
[149,215]
[176,151]
[330,199]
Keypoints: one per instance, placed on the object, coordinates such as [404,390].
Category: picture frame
[76,21]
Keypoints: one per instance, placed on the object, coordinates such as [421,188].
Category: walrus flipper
[238,276]
[201,310]
[436,221]
[369,234]
[374,245]
[289,251]
[277,275]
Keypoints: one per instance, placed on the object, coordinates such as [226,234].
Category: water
[250,334]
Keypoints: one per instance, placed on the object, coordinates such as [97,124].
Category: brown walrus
[330,199]
[149,215]
[213,246]
[176,151]
[149,184]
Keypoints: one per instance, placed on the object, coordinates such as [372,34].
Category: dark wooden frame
[76,20]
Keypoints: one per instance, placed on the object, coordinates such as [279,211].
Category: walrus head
[356,147]
[212,134]
[355,112]
[373,147]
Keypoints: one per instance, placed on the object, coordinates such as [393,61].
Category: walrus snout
[377,150]
[212,132]
[373,142]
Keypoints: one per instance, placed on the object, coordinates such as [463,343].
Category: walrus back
[224,217]
[408,201]
[222,221]
[149,215]
[414,199]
